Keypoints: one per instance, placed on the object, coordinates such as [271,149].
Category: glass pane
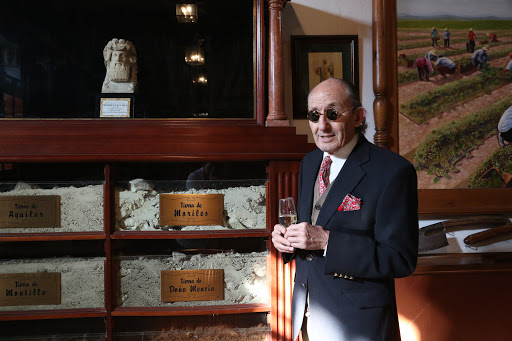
[52,63]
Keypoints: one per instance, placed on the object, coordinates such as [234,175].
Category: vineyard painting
[448,118]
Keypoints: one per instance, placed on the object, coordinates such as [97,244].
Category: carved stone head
[121,63]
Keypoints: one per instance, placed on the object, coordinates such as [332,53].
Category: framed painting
[316,58]
[446,126]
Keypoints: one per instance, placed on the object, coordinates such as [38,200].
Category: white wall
[331,17]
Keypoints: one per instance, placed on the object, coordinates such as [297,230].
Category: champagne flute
[287,212]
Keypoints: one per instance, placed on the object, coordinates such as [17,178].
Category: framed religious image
[451,125]
[116,106]
[316,58]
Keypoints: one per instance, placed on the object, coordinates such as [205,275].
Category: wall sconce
[186,13]
[194,55]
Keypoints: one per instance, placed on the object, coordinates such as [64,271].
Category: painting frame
[316,57]
[432,202]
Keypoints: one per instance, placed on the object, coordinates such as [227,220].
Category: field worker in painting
[434,34]
[432,55]
[505,128]
[508,68]
[445,66]
[480,58]
[357,226]
[424,66]
[121,63]
[471,41]
[446,37]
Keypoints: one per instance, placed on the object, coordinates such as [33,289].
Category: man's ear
[360,115]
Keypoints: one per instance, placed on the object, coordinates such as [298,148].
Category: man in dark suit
[358,226]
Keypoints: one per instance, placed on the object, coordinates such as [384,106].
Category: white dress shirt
[339,158]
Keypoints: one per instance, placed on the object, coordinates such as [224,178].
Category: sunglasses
[331,114]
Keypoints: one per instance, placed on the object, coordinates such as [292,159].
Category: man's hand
[280,242]
[307,237]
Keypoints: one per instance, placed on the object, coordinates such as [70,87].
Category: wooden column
[276,115]
[385,73]
[283,182]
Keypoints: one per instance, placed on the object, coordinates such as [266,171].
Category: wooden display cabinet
[107,150]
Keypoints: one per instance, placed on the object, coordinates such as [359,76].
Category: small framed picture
[116,106]
[316,58]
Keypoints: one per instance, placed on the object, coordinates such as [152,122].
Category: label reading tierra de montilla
[30,288]
[29,211]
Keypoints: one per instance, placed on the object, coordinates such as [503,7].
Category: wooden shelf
[57,236]
[190,234]
[188,311]
[148,140]
[51,314]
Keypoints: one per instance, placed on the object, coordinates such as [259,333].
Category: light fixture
[194,55]
[200,80]
[186,13]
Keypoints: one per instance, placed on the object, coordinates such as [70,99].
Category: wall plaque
[192,285]
[30,288]
[30,211]
[191,209]
[116,107]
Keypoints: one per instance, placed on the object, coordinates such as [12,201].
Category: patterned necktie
[323,176]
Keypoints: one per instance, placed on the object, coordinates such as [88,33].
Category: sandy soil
[81,207]
[82,281]
[244,278]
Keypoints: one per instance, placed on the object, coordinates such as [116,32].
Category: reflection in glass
[194,55]
[57,67]
[186,13]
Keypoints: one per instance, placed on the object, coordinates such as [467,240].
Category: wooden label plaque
[29,211]
[30,288]
[192,285]
[191,209]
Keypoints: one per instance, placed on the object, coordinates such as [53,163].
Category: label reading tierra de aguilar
[191,209]
[29,211]
[30,288]
[192,285]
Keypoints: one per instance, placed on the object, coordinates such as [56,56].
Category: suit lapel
[348,178]
[310,173]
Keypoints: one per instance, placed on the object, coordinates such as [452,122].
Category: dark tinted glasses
[331,114]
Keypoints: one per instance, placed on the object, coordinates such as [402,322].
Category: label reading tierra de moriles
[29,211]
[191,209]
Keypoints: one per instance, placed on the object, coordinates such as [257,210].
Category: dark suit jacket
[351,289]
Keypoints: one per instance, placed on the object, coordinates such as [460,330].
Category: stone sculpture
[121,63]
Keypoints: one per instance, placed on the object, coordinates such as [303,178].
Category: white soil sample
[138,209]
[81,208]
[82,281]
[244,278]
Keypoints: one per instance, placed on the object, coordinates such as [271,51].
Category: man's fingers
[279,241]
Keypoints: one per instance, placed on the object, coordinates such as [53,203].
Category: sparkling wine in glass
[287,212]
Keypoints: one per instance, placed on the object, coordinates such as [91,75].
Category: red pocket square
[350,203]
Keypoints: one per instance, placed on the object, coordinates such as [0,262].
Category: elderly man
[358,226]
[121,63]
